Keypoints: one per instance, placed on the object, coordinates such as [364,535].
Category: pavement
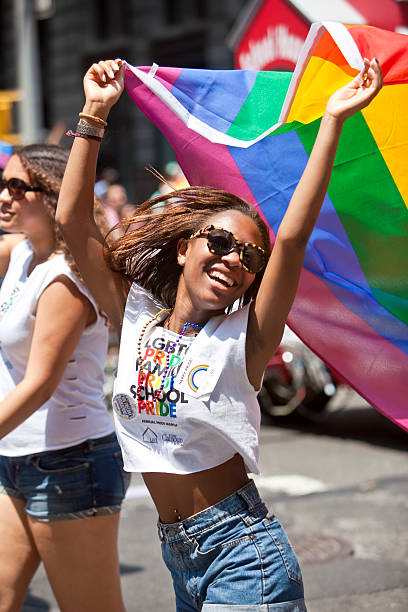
[339,486]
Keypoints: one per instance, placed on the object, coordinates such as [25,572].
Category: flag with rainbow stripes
[251,133]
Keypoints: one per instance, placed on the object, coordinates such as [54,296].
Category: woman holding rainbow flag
[190,365]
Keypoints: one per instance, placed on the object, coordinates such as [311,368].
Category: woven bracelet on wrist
[75,134]
[84,127]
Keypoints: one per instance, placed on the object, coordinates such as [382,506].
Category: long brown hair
[45,165]
[146,253]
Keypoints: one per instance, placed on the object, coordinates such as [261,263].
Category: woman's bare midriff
[178,496]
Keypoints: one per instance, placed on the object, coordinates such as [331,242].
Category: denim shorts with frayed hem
[232,556]
[77,482]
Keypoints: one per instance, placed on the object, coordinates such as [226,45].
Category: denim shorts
[232,556]
[77,482]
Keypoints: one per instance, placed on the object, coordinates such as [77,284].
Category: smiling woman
[221,257]
[60,462]
[201,304]
[163,229]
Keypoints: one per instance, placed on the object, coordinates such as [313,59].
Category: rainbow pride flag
[251,133]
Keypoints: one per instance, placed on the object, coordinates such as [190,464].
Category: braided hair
[45,165]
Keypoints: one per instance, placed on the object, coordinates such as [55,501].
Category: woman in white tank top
[61,475]
[185,395]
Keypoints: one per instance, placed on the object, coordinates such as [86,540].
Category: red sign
[273,39]
[271,35]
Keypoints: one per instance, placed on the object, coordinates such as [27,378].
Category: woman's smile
[221,278]
[5,215]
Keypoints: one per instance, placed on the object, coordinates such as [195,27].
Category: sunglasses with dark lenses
[221,242]
[17,188]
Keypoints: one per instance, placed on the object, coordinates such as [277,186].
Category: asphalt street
[340,487]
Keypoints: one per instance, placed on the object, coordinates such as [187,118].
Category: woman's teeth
[219,276]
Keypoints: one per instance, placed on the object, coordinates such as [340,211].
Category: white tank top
[207,411]
[76,410]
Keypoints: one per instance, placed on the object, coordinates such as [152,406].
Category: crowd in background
[115,198]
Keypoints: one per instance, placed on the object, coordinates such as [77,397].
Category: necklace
[170,350]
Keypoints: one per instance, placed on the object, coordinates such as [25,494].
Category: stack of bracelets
[89,126]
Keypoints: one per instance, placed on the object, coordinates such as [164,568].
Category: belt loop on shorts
[247,495]
[172,531]
[160,532]
[88,446]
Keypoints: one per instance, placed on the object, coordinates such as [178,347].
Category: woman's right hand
[103,85]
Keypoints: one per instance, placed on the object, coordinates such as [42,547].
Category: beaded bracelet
[97,120]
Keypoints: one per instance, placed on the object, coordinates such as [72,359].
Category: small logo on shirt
[124,406]
[149,436]
[172,438]
[194,374]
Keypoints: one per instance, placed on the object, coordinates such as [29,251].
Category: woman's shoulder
[12,240]
[58,266]
[18,244]
[15,250]
[140,297]
[141,305]
[237,320]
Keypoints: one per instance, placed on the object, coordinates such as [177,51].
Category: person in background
[127,210]
[61,473]
[108,176]
[190,365]
[115,199]
[172,179]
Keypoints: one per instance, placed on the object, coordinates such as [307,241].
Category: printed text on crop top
[207,410]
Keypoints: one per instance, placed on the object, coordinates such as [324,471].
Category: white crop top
[207,411]
[76,410]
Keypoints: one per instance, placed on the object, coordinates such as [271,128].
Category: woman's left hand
[358,93]
[103,86]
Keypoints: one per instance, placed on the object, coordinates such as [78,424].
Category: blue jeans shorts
[232,556]
[69,483]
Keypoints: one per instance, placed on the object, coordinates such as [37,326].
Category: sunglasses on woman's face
[17,188]
[221,242]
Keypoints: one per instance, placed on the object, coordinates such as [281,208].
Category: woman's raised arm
[103,85]
[280,281]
